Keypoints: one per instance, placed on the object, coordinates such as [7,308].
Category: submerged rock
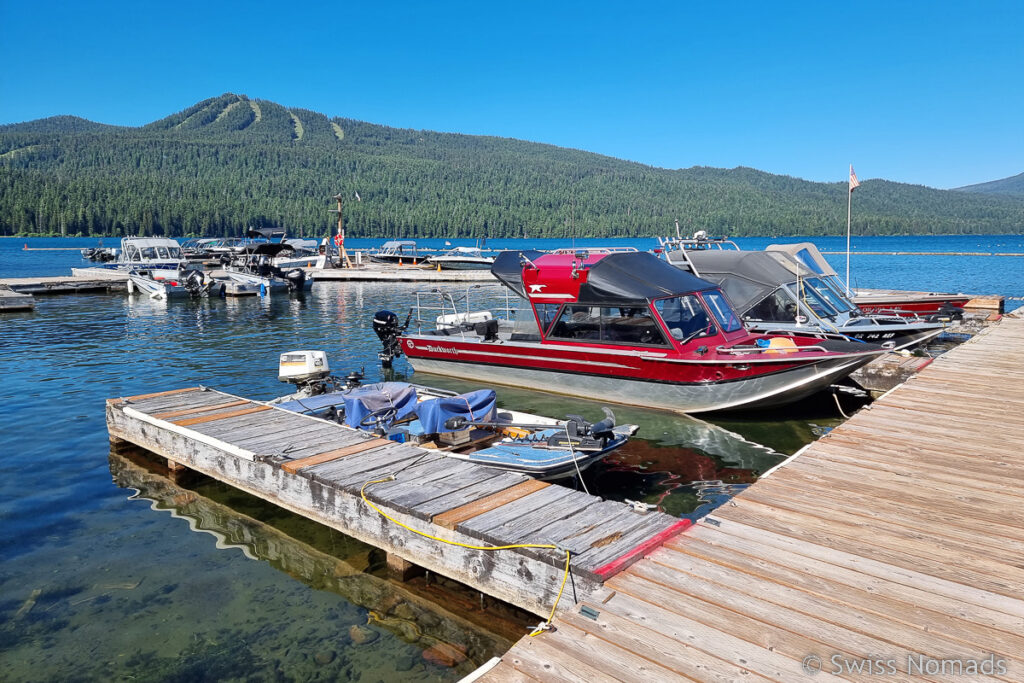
[324,657]
[445,654]
[361,635]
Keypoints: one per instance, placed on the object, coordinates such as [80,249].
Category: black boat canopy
[633,277]
[266,233]
[748,276]
[271,249]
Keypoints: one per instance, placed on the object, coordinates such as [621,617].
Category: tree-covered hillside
[1012,185]
[230,162]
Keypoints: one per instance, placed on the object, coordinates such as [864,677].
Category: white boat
[166,284]
[255,272]
[401,252]
[462,258]
[143,253]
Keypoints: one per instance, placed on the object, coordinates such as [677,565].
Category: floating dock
[895,542]
[15,301]
[321,471]
[388,273]
[67,284]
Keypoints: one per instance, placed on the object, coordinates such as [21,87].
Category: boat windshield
[685,317]
[836,299]
[722,311]
[813,299]
[607,325]
[779,306]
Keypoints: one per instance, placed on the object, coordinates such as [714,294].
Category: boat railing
[450,308]
[744,350]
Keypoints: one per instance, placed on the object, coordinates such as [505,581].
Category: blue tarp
[476,405]
[373,397]
[314,404]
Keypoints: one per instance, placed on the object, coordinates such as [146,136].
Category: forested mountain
[1012,185]
[230,162]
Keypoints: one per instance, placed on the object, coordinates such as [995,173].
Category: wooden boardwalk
[318,469]
[897,538]
[67,284]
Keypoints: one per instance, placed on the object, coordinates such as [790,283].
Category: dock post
[402,569]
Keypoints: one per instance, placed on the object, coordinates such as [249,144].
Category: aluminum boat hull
[765,390]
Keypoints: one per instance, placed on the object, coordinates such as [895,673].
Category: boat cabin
[618,299]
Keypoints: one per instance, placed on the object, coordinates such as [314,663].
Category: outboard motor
[194,282]
[296,278]
[385,325]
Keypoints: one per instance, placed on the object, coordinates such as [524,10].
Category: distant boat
[462,258]
[397,251]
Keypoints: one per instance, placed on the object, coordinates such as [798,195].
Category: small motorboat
[461,258]
[774,292]
[255,271]
[142,253]
[467,427]
[923,305]
[397,252]
[167,284]
[626,327]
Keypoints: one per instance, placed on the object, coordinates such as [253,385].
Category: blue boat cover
[367,399]
[314,404]
[476,405]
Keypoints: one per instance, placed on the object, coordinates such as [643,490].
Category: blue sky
[921,92]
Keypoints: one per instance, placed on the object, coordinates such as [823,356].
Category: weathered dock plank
[321,470]
[898,537]
[71,284]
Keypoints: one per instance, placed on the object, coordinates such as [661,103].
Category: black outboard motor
[385,325]
[296,278]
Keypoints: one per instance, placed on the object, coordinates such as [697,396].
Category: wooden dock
[895,543]
[15,301]
[388,273]
[67,284]
[319,469]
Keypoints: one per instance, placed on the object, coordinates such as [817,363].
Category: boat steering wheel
[379,417]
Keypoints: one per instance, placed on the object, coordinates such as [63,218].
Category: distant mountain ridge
[1012,185]
[230,161]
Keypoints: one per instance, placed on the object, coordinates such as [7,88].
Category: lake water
[111,570]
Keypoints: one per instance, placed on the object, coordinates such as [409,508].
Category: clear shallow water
[97,583]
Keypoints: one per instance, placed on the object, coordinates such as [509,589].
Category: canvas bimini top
[748,276]
[614,279]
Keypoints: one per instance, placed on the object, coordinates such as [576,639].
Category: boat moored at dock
[775,292]
[625,327]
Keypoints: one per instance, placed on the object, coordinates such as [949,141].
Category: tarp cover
[806,253]
[314,404]
[367,399]
[748,276]
[508,268]
[476,405]
[636,276]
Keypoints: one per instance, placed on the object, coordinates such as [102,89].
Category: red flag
[854,183]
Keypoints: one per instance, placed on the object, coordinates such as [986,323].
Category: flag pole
[849,206]
[854,184]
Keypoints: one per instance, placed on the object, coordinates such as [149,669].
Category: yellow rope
[540,629]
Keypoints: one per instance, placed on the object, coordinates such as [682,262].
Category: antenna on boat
[679,235]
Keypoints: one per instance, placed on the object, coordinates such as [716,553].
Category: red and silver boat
[623,327]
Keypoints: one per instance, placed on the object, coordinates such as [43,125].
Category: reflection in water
[418,612]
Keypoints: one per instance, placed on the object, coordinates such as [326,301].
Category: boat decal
[452,351]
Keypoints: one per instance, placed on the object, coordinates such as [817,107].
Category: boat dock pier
[349,480]
[389,273]
[894,542]
[15,301]
[66,284]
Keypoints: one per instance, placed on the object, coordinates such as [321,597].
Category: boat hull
[787,384]
[902,336]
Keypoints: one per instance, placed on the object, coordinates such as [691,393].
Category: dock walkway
[320,469]
[895,543]
[66,284]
